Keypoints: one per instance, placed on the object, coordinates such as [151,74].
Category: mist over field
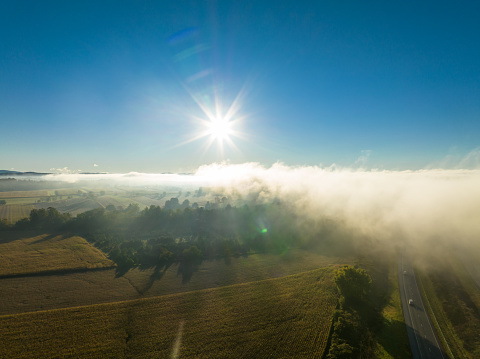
[424,206]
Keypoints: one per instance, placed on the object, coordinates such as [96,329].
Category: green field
[14,212]
[454,298]
[392,339]
[283,317]
[21,253]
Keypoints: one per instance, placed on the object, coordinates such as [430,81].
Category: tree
[2,201]
[353,283]
[4,224]
[172,204]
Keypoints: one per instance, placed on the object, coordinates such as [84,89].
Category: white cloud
[362,160]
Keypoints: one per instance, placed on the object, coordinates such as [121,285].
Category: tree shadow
[158,274]
[15,235]
[46,238]
[186,270]
[392,330]
[120,272]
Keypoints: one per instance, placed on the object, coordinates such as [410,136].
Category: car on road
[410,302]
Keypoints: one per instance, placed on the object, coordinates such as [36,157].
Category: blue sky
[392,85]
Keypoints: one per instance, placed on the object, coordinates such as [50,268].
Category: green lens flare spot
[264,230]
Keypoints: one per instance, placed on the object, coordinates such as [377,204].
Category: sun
[217,124]
[219,128]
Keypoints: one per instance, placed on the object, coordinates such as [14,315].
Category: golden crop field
[34,293]
[12,194]
[21,253]
[282,317]
[216,273]
[14,212]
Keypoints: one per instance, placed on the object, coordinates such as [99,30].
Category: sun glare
[220,128]
[218,125]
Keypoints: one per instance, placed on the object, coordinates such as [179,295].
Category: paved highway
[423,340]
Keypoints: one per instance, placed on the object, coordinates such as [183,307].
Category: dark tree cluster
[352,322]
[42,219]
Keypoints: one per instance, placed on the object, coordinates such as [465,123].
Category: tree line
[158,236]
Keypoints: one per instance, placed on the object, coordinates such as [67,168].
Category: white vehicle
[410,302]
[404,272]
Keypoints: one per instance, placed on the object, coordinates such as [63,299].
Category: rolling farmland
[282,317]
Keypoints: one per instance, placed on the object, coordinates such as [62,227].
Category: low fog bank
[423,207]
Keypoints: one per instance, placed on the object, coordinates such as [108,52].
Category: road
[423,340]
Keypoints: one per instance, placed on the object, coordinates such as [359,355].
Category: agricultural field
[283,317]
[145,201]
[117,201]
[53,291]
[19,194]
[14,212]
[73,206]
[217,273]
[66,192]
[42,292]
[21,253]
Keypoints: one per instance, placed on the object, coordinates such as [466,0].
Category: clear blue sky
[112,83]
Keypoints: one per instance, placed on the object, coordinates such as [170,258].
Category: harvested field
[14,212]
[283,317]
[22,254]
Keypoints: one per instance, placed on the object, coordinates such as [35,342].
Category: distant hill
[17,173]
